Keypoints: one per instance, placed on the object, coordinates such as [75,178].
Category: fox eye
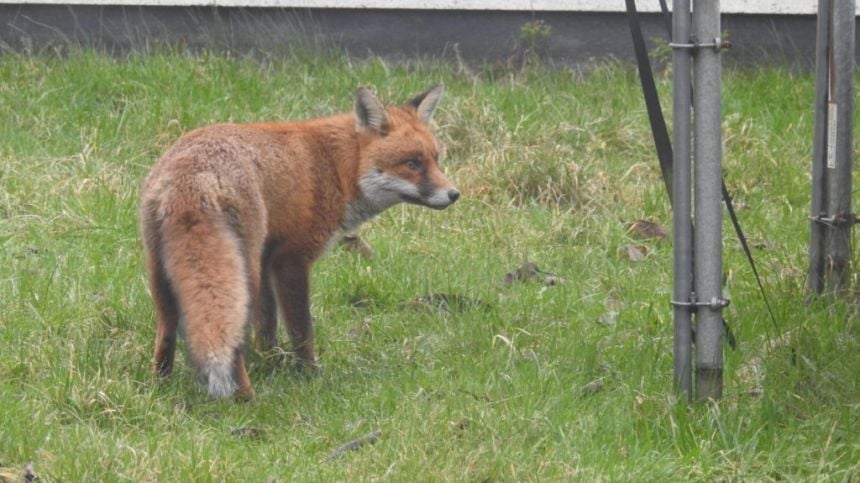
[414,164]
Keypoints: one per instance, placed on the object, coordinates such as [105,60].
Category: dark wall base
[491,36]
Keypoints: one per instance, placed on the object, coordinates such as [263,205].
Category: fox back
[233,216]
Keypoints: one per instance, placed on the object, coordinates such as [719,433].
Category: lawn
[508,381]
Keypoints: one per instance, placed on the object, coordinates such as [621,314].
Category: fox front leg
[267,322]
[293,287]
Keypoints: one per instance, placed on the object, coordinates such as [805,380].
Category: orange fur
[233,217]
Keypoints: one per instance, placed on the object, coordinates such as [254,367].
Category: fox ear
[369,112]
[426,103]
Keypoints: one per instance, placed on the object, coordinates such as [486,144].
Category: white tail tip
[218,379]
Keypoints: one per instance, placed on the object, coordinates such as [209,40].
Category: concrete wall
[768,7]
[477,35]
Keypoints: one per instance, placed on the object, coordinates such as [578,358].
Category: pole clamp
[717,44]
[716,303]
[839,219]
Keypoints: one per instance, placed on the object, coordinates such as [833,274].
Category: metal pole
[708,227]
[819,152]
[681,226]
[839,164]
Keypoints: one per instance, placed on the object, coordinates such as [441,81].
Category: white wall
[728,6]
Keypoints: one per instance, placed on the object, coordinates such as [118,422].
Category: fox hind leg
[240,375]
[253,243]
[167,311]
[164,298]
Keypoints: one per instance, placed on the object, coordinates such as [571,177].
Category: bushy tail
[204,261]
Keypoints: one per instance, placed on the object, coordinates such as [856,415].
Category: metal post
[839,163]
[708,227]
[819,152]
[681,226]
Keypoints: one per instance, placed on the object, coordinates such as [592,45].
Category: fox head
[399,157]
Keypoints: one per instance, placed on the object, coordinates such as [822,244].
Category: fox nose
[453,195]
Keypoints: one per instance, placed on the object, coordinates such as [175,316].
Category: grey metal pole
[682,228]
[818,204]
[708,227]
[839,163]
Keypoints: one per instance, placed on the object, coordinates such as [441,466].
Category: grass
[536,383]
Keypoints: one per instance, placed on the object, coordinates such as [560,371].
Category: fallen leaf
[527,271]
[530,271]
[636,253]
[647,230]
[592,387]
[11,475]
[553,280]
[355,444]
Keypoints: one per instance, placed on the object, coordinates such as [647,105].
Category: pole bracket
[837,220]
[717,44]
[716,303]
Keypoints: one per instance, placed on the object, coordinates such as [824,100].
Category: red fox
[233,216]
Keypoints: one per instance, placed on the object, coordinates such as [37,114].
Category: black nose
[453,195]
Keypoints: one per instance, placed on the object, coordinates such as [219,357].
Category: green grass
[537,384]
